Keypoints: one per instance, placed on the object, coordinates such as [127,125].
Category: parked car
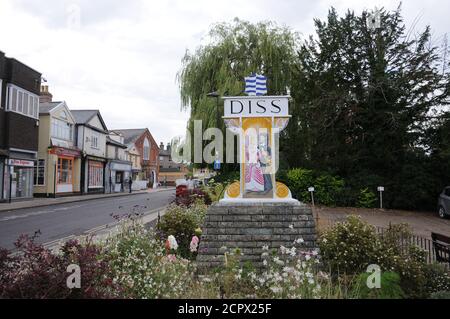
[444,203]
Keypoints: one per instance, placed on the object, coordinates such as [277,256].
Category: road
[63,220]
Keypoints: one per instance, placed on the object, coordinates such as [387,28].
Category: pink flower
[194,244]
[172,257]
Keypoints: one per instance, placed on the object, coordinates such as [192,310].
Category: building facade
[145,144]
[58,166]
[169,171]
[90,136]
[118,168]
[19,128]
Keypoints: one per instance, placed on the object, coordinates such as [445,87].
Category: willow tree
[234,50]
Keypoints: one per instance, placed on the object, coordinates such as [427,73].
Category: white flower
[299,241]
[307,257]
[265,247]
[291,226]
[172,242]
[275,289]
[293,252]
[278,261]
[283,249]
[265,262]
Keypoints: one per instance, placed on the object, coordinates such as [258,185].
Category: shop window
[39,172]
[95,174]
[65,170]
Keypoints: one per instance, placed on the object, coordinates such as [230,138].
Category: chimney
[161,146]
[168,147]
[45,96]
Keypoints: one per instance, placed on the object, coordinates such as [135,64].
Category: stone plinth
[250,226]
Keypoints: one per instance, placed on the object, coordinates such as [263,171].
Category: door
[119,182]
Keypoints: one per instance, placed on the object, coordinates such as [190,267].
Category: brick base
[250,226]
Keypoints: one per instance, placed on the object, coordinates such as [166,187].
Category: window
[94,140]
[61,129]
[146,150]
[95,174]
[21,101]
[39,172]
[161,158]
[65,166]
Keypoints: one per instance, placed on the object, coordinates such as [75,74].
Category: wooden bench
[441,246]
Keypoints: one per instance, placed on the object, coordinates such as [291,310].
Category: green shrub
[328,188]
[440,295]
[437,279]
[143,269]
[389,287]
[366,198]
[182,222]
[349,247]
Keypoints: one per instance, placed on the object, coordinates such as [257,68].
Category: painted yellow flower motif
[282,190]
[234,190]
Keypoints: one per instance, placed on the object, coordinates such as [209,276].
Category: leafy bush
[328,188]
[182,223]
[142,268]
[389,287]
[350,246]
[215,190]
[186,197]
[367,198]
[437,279]
[38,273]
[440,295]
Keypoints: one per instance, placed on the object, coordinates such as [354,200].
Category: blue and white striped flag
[256,84]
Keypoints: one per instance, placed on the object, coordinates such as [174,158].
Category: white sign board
[310,189]
[380,188]
[256,106]
[18,162]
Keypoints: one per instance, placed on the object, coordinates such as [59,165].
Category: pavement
[59,221]
[42,202]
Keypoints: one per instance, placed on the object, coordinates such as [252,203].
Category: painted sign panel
[256,106]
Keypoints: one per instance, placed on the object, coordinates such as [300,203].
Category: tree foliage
[368,105]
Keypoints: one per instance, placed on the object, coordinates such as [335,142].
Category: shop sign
[18,162]
[60,151]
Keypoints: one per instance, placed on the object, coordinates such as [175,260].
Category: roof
[82,117]
[113,142]
[131,135]
[45,108]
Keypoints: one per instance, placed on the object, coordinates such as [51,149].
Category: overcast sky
[122,56]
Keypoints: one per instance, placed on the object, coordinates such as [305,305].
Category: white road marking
[41,212]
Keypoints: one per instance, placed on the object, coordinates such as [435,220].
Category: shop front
[118,176]
[93,179]
[17,179]
[64,170]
